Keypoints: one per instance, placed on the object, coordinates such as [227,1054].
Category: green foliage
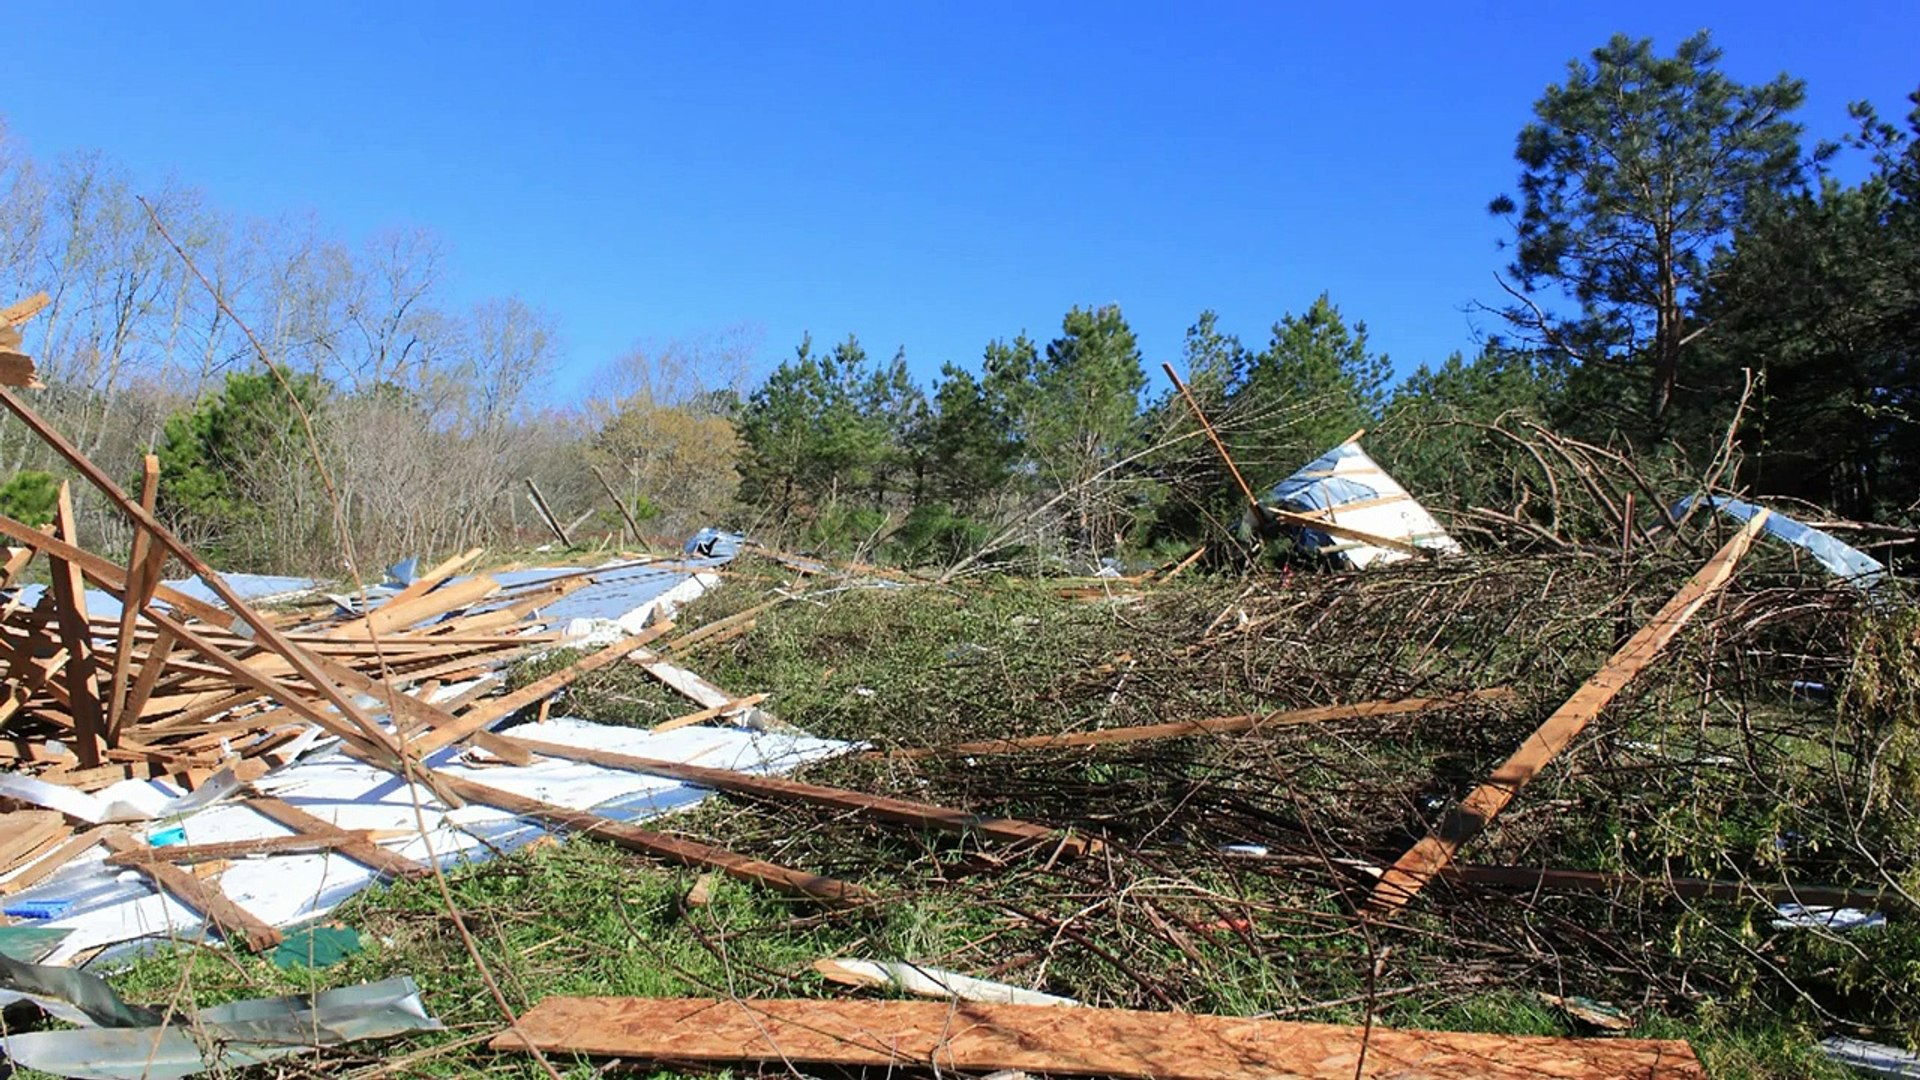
[30,497]
[1315,384]
[233,458]
[971,443]
[1438,433]
[1820,299]
[826,428]
[1086,393]
[934,535]
[1635,170]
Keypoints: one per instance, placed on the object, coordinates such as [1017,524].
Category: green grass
[1164,921]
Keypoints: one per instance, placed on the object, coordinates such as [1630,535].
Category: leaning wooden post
[546,514]
[1411,872]
[1259,511]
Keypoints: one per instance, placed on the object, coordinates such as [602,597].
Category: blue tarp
[1847,563]
[1312,488]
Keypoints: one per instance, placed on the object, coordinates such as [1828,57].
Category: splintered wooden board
[977,1038]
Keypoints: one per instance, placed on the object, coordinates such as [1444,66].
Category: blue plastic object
[39,909]
[166,837]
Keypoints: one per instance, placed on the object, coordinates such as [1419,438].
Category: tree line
[1682,266]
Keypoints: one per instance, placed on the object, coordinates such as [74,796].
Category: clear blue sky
[923,175]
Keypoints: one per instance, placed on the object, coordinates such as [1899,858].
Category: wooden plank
[109,576]
[506,705]
[24,832]
[226,850]
[670,848]
[701,717]
[17,560]
[17,369]
[46,864]
[1306,521]
[414,590]
[779,789]
[1531,878]
[70,615]
[395,617]
[683,682]
[408,707]
[21,310]
[972,1037]
[357,846]
[546,514]
[618,504]
[235,923]
[1411,872]
[138,590]
[1217,725]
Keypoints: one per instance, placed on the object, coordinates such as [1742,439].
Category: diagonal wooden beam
[236,924]
[487,712]
[1213,725]
[138,570]
[779,789]
[1411,872]
[356,846]
[70,616]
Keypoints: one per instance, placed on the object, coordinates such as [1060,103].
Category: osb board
[1106,1042]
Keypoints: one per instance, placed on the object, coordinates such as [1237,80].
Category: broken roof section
[1848,563]
[1347,488]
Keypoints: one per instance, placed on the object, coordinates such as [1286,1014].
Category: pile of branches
[1747,768]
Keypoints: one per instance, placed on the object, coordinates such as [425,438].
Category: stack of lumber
[174,686]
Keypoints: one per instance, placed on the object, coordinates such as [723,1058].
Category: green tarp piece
[317,947]
[30,943]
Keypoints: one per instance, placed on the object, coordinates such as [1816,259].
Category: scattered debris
[932,982]
[225,1036]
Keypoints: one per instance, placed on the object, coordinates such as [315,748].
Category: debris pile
[1417,776]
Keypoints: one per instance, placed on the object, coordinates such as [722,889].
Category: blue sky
[923,175]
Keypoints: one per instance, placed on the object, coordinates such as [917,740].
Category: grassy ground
[1165,920]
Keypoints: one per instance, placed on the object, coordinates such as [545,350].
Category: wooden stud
[235,923]
[1411,872]
[778,789]
[357,846]
[1218,725]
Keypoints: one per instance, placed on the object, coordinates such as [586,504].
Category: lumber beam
[1411,872]
[670,848]
[1691,888]
[780,789]
[235,923]
[494,709]
[351,724]
[712,712]
[972,1037]
[1215,725]
[70,616]
[417,588]
[142,574]
[354,845]
[60,856]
